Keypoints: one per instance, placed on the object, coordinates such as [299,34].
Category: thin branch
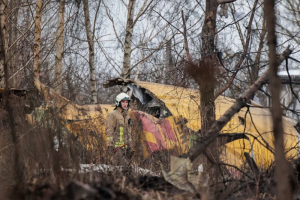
[236,107]
[225,1]
[146,58]
[94,25]
[235,21]
[237,25]
[142,11]
[186,45]
[287,70]
[238,65]
[113,24]
[106,56]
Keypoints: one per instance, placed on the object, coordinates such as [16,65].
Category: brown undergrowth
[51,156]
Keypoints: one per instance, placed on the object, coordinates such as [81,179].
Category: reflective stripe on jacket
[118,131]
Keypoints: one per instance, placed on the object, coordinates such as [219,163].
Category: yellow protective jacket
[118,128]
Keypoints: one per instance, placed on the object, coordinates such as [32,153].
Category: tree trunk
[207,83]
[207,66]
[128,40]
[37,39]
[59,47]
[255,69]
[12,35]
[204,75]
[3,13]
[282,171]
[16,154]
[91,51]
[169,63]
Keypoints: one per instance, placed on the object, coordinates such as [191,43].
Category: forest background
[217,47]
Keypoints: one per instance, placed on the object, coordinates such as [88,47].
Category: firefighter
[118,129]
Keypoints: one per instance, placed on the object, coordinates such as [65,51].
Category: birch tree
[3,13]
[37,39]
[128,39]
[150,28]
[16,152]
[168,63]
[90,39]
[59,47]
[12,37]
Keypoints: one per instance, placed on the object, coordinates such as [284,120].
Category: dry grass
[43,177]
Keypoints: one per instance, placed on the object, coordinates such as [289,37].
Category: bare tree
[12,37]
[90,38]
[282,171]
[3,13]
[204,74]
[236,107]
[128,39]
[131,21]
[168,63]
[37,39]
[17,172]
[292,18]
[59,47]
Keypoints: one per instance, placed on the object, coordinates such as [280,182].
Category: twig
[236,107]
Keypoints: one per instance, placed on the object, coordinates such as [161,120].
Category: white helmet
[121,97]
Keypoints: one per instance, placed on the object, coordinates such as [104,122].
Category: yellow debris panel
[68,109]
[256,122]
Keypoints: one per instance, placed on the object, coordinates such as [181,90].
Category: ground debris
[79,191]
[108,187]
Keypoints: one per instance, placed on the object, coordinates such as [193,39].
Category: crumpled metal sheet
[184,177]
[140,94]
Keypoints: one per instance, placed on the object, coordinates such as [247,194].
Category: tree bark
[17,168]
[128,40]
[59,47]
[207,65]
[3,13]
[255,69]
[12,35]
[281,165]
[186,44]
[168,63]
[207,83]
[37,39]
[91,52]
